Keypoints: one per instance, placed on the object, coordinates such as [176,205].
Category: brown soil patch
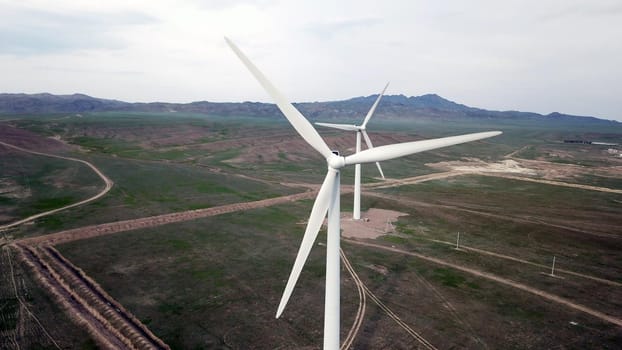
[373,224]
[525,167]
[291,147]
[478,165]
[29,140]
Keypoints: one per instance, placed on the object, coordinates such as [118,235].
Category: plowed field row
[87,303]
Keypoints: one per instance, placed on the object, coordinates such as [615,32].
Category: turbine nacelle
[336,161]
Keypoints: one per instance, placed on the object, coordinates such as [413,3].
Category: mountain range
[430,106]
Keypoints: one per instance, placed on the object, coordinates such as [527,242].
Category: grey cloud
[29,32]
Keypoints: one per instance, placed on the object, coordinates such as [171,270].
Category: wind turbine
[360,130]
[327,199]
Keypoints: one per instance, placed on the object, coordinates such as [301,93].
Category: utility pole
[389,226]
[553,267]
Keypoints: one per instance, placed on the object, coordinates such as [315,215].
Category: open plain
[191,246]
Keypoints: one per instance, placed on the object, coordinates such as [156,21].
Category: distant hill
[430,106]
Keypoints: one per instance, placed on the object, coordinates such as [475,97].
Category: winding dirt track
[108,185]
[505,281]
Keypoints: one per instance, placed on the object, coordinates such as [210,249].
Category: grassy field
[145,188]
[223,277]
[31,184]
[216,282]
[211,282]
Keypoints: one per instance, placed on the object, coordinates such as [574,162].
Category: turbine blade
[370,146]
[380,169]
[387,152]
[373,108]
[348,127]
[298,121]
[318,213]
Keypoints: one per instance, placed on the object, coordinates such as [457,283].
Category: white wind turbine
[360,130]
[328,197]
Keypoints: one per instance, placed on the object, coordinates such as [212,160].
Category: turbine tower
[327,199]
[360,130]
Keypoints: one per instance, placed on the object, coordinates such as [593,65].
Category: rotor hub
[336,162]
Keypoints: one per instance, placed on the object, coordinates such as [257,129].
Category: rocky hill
[429,106]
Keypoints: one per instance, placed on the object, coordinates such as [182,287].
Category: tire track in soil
[452,310]
[24,306]
[360,314]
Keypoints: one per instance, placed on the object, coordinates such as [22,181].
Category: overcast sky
[538,56]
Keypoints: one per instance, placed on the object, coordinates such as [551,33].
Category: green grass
[149,188]
[601,181]
[394,239]
[44,204]
[41,183]
[449,277]
[104,145]
[8,312]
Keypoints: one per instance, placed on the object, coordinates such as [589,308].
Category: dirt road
[522,261]
[505,281]
[414,180]
[158,220]
[452,173]
[551,182]
[107,185]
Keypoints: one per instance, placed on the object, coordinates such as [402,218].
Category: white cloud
[542,56]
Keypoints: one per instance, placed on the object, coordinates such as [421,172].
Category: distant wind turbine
[360,130]
[327,199]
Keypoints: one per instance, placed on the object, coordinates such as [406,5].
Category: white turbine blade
[387,152]
[370,146]
[298,121]
[373,108]
[318,213]
[348,127]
